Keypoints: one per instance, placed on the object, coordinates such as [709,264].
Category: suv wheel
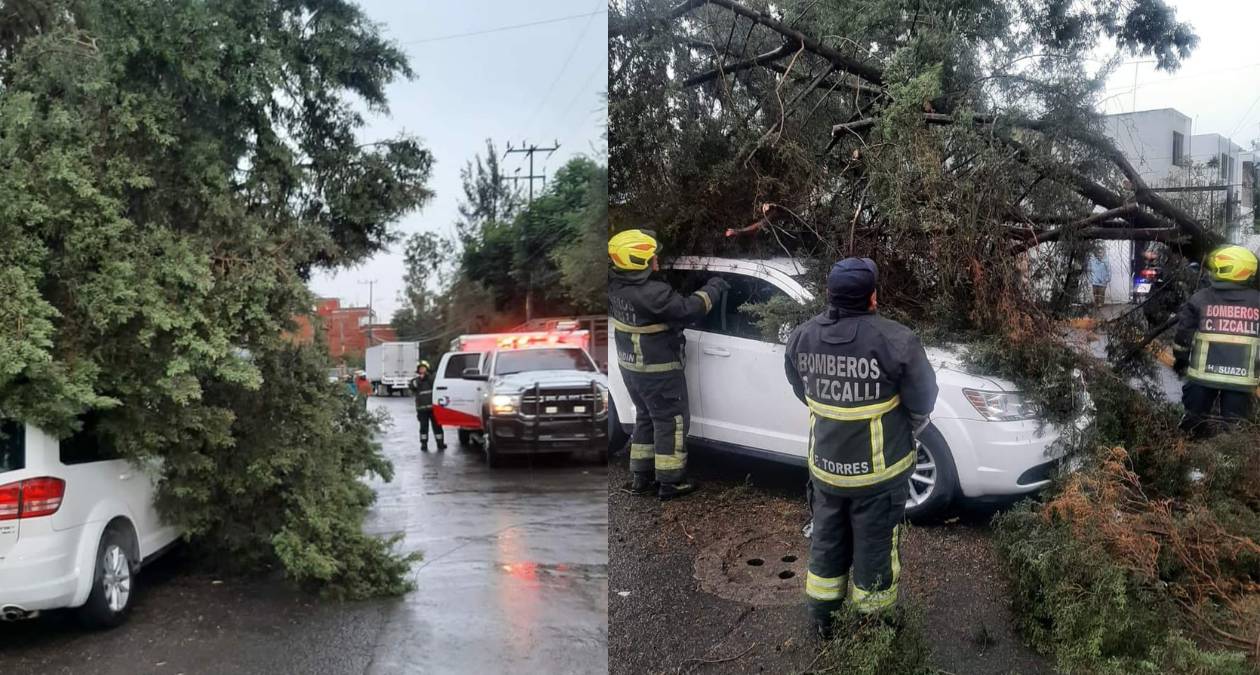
[113,582]
[617,436]
[934,482]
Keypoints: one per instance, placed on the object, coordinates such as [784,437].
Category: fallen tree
[171,174]
[957,144]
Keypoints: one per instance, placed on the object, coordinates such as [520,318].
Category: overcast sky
[538,83]
[1218,86]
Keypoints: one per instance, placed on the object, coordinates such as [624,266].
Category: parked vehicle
[458,400]
[390,366]
[76,525]
[542,397]
[984,440]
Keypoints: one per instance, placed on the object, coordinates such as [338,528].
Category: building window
[1179,149]
[1224,167]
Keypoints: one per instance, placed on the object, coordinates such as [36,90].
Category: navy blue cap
[851,282]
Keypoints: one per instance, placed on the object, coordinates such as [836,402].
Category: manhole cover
[757,569]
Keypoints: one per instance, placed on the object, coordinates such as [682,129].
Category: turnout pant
[853,549]
[425,415]
[1235,406]
[660,425]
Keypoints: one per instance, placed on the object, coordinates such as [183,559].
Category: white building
[1161,147]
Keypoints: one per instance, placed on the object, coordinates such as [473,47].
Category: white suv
[984,441]
[75,525]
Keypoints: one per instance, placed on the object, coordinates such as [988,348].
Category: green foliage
[583,263]
[170,175]
[548,255]
[1093,615]
[890,644]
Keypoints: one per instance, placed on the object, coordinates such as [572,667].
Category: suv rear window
[457,364]
[12,446]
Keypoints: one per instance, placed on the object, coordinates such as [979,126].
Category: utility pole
[529,151]
[371,284]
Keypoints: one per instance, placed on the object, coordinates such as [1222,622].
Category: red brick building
[347,329]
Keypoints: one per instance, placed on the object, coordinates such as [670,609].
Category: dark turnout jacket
[648,318]
[868,384]
[422,388]
[1218,336]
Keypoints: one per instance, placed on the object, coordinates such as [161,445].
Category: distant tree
[583,263]
[489,195]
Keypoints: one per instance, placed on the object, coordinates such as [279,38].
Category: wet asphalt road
[514,579]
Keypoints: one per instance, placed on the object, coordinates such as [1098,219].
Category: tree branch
[761,59]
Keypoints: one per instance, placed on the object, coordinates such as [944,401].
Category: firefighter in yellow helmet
[1218,343]
[648,317]
[422,388]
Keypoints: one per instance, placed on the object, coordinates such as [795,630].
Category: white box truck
[391,365]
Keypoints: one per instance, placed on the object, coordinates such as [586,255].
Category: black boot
[424,444]
[441,442]
[675,490]
[641,484]
[824,623]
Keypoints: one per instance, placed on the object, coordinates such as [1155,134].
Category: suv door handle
[714,351]
[443,388]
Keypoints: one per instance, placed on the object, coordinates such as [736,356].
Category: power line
[1244,117]
[501,29]
[577,43]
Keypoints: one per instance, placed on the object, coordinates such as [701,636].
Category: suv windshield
[12,446]
[542,359]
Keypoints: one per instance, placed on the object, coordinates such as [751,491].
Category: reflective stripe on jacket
[422,387]
[648,317]
[866,381]
[1218,335]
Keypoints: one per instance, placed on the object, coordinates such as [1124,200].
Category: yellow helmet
[632,249]
[1232,263]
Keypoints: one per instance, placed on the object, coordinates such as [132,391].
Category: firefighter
[869,389]
[1218,342]
[648,317]
[422,387]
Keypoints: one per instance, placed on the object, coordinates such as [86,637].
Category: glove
[718,285]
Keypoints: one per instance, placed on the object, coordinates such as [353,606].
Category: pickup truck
[541,399]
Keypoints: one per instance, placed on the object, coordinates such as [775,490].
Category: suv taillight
[31,498]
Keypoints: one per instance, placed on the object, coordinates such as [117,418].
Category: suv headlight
[603,397]
[503,404]
[1001,406]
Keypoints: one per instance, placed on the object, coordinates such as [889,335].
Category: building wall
[346,328]
[1147,138]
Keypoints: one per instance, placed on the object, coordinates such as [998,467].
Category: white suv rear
[984,441]
[75,526]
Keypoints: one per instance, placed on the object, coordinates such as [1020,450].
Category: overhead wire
[501,29]
[542,101]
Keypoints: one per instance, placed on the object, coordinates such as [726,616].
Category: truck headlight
[603,397]
[503,404]
[1001,406]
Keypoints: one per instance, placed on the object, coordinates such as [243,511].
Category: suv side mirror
[474,374]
